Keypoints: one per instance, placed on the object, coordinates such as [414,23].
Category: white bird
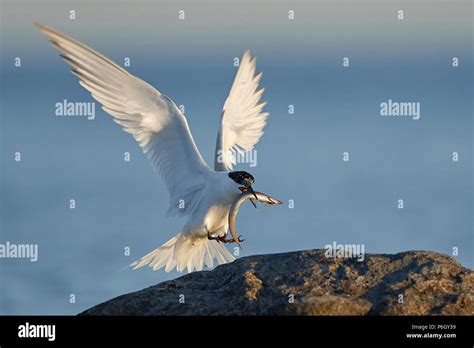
[201,194]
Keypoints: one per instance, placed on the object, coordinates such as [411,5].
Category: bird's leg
[209,236]
[224,240]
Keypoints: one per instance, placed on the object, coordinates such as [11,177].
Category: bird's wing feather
[242,120]
[152,118]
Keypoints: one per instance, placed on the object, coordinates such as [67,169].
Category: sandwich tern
[163,134]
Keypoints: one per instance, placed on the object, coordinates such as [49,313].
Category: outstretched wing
[152,118]
[242,121]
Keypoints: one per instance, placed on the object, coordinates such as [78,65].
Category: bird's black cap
[242,178]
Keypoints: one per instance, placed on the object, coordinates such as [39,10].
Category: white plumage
[242,121]
[163,133]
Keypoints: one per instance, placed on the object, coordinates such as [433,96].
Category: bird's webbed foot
[223,238]
[231,240]
[216,237]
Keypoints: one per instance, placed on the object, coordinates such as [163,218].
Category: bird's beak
[249,188]
[253,192]
[253,203]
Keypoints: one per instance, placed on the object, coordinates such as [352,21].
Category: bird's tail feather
[186,251]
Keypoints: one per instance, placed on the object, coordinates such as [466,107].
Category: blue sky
[122,204]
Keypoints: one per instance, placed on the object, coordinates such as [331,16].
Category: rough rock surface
[308,283]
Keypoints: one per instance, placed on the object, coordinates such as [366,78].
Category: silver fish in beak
[234,209]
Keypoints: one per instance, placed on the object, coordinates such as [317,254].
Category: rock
[309,283]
